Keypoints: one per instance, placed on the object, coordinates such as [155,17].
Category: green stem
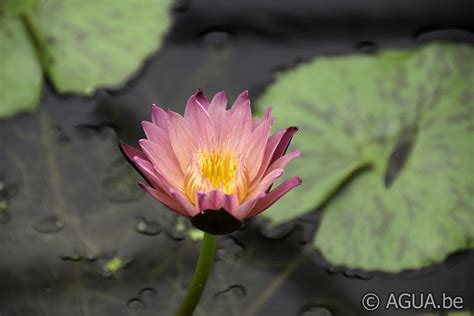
[193,295]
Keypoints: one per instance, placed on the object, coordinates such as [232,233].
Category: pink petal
[219,101]
[242,98]
[155,177]
[147,171]
[255,149]
[159,117]
[190,209]
[200,122]
[181,138]
[267,115]
[162,157]
[244,209]
[201,98]
[265,183]
[231,203]
[217,200]
[281,162]
[272,144]
[129,152]
[212,200]
[220,116]
[284,143]
[238,122]
[274,195]
[141,163]
[165,199]
[154,133]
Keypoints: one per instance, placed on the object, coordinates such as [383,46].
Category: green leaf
[81,45]
[399,125]
[20,72]
[99,43]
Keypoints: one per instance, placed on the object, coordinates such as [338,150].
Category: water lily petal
[161,157]
[272,144]
[159,117]
[284,143]
[165,199]
[281,162]
[184,202]
[202,99]
[212,200]
[130,152]
[245,208]
[181,138]
[201,123]
[255,148]
[242,98]
[265,183]
[274,195]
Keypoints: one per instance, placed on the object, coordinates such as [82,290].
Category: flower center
[217,169]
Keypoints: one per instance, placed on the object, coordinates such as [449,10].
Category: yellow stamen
[218,169]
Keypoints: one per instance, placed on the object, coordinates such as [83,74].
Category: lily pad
[81,46]
[20,72]
[387,143]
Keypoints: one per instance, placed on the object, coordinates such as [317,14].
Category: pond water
[79,237]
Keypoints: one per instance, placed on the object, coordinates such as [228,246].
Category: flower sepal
[216,222]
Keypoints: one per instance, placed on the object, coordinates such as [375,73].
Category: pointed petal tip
[129,152]
[201,98]
[295,153]
[154,107]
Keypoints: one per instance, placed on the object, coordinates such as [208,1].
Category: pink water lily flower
[214,165]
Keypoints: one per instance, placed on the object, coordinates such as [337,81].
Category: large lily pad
[81,45]
[400,126]
[20,72]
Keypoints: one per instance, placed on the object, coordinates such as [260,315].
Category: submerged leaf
[409,117]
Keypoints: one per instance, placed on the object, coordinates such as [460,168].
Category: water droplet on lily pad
[147,227]
[229,249]
[135,304]
[177,231]
[48,224]
[147,293]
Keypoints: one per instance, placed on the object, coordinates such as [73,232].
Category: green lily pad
[387,143]
[20,72]
[81,46]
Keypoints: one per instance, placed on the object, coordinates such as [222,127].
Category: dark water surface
[71,212]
